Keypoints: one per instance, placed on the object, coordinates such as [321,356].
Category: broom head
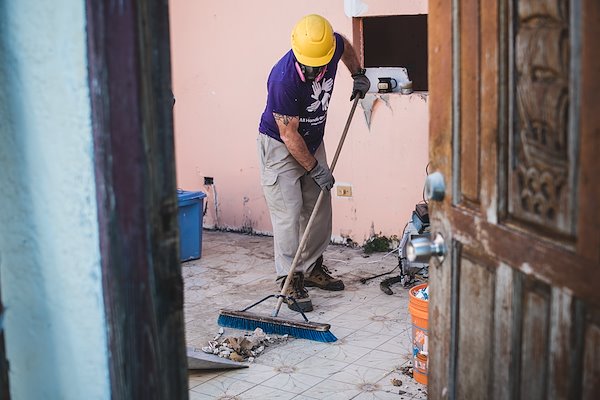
[280,326]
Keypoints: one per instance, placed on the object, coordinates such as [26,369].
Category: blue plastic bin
[190,224]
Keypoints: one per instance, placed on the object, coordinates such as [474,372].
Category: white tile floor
[373,329]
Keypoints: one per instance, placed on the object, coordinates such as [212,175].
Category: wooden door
[515,130]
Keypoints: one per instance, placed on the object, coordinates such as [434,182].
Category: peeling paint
[216,204]
[368,103]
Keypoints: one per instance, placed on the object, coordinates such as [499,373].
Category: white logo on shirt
[321,95]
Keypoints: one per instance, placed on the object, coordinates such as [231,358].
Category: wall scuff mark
[247,222]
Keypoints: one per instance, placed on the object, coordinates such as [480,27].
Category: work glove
[322,176]
[362,84]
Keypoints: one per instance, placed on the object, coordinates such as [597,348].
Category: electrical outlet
[344,191]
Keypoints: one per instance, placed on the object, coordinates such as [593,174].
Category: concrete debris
[407,370]
[396,382]
[242,348]
[218,335]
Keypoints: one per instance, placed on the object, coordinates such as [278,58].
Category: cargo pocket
[272,190]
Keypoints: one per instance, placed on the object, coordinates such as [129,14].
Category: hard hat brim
[315,61]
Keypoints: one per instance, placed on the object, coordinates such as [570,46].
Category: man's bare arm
[350,58]
[288,131]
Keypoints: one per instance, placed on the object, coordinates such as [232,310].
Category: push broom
[246,320]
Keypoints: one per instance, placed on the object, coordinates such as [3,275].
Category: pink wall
[222,52]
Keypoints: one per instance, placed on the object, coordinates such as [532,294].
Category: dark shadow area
[398,41]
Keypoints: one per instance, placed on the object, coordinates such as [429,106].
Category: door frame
[132,122]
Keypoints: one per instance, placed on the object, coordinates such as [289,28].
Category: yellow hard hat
[313,42]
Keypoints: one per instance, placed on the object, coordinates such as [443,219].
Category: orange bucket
[419,311]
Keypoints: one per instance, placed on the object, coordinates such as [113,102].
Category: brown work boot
[298,292]
[321,277]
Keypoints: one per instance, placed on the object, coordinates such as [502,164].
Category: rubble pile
[242,348]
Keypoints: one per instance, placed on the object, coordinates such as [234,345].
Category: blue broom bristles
[268,327]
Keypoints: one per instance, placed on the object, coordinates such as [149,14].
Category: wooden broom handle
[315,210]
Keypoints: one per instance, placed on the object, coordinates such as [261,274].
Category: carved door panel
[515,131]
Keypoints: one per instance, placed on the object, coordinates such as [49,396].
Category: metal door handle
[422,249]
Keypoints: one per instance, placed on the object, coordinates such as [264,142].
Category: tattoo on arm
[285,119]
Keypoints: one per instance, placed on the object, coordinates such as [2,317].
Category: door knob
[422,249]
[435,188]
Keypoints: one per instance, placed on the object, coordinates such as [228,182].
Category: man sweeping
[293,163]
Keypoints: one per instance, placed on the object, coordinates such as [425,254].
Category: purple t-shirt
[288,95]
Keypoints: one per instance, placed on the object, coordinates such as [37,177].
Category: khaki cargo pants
[291,195]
